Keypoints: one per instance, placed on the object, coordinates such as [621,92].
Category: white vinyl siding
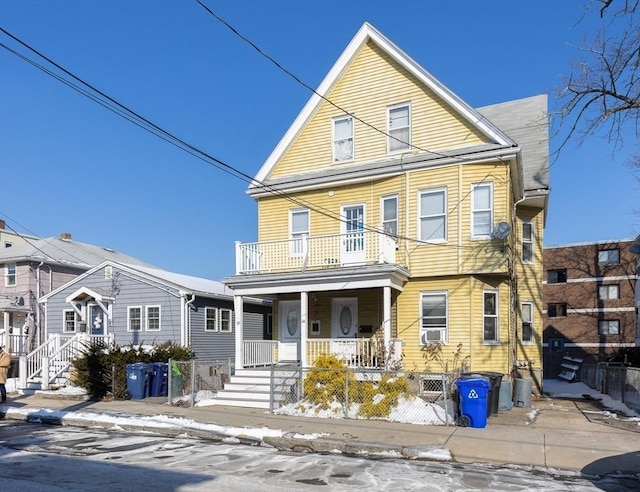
[432,206]
[134,318]
[343,139]
[153,318]
[433,315]
[481,210]
[399,128]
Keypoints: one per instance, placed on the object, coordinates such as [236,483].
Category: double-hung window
[342,139]
[399,128]
[433,315]
[609,257]
[527,242]
[225,320]
[481,210]
[210,319]
[557,309]
[10,278]
[608,292]
[134,318]
[526,331]
[390,215]
[299,226]
[558,276]
[490,317]
[433,215]
[217,320]
[153,318]
[609,327]
[71,320]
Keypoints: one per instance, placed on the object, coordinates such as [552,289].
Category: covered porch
[344,311]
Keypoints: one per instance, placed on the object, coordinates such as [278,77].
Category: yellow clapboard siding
[371,84]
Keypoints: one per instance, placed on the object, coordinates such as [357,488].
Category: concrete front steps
[249,388]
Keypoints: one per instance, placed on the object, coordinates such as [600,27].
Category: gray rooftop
[54,250]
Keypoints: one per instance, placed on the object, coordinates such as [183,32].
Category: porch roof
[357,277]
[90,292]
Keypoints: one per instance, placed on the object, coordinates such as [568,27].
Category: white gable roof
[368,33]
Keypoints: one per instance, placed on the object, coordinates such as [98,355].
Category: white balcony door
[289,329]
[353,239]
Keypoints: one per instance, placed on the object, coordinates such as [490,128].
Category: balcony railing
[314,253]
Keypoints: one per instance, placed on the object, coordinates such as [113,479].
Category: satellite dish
[501,230]
[635,248]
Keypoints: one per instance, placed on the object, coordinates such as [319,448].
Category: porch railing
[53,358]
[259,352]
[318,252]
[356,352]
[16,344]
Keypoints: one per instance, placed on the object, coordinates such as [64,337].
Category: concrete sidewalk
[554,434]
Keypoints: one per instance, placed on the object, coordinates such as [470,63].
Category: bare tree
[603,91]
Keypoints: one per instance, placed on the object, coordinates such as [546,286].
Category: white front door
[289,329]
[353,239]
[344,317]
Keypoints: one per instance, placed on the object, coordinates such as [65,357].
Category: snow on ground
[562,389]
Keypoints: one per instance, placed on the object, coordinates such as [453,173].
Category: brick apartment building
[590,304]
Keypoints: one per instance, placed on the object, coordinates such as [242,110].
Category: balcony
[315,253]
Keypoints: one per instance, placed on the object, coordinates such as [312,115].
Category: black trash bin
[493,400]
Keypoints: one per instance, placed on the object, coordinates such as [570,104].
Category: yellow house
[398,226]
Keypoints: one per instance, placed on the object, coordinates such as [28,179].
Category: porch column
[238,308]
[386,315]
[304,327]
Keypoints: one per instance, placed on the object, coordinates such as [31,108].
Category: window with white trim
[342,139]
[153,318]
[609,327]
[134,318]
[398,128]
[10,278]
[609,292]
[481,210]
[433,316]
[210,319]
[225,320]
[433,215]
[390,215]
[299,227]
[609,257]
[526,329]
[490,317]
[527,242]
[71,320]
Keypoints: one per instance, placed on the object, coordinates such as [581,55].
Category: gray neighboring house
[141,305]
[32,267]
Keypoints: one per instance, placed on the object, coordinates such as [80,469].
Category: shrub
[101,370]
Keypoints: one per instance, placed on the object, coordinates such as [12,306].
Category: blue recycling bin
[138,379]
[473,392]
[160,378]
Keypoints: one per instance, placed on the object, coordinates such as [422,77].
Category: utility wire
[132,116]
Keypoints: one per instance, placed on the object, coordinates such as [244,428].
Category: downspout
[513,331]
[186,321]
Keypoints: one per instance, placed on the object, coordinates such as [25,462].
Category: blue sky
[69,165]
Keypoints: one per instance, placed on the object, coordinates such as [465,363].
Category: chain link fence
[410,397]
[193,381]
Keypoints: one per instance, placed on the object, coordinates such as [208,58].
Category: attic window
[342,139]
[108,272]
[399,129]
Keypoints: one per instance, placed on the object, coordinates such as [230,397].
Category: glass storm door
[289,329]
